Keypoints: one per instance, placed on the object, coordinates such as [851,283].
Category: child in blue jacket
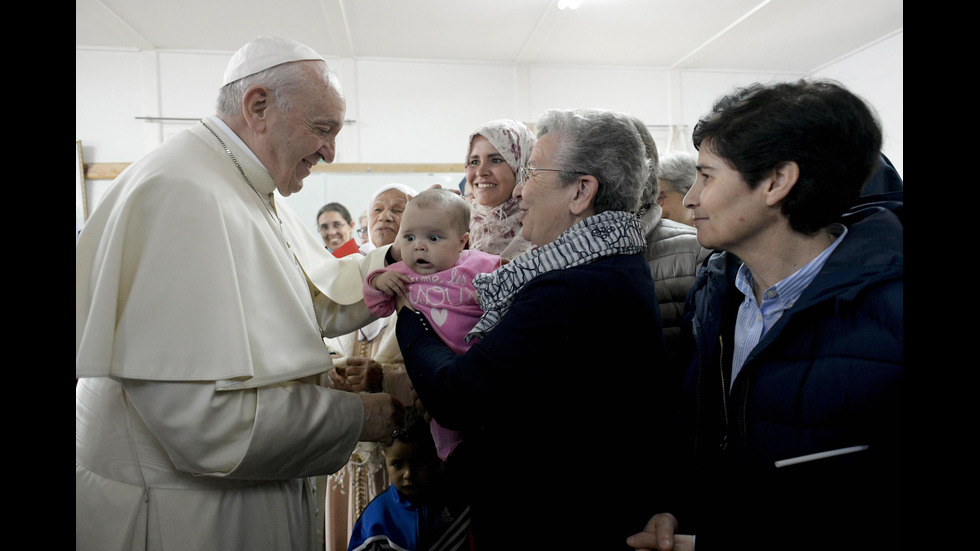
[413,514]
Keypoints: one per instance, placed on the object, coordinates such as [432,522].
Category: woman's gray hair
[652,188]
[285,81]
[604,144]
[679,170]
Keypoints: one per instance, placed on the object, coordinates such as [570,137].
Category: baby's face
[428,241]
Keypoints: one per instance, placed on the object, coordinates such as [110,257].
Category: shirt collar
[789,289]
[234,137]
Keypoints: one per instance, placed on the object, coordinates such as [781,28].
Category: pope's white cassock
[196,329]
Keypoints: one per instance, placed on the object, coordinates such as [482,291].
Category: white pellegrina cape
[199,325]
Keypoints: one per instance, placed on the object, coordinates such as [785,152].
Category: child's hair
[416,428]
[447,201]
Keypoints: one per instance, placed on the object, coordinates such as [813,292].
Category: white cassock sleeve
[271,432]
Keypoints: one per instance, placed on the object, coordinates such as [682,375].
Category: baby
[435,275]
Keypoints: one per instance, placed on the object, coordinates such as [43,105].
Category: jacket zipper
[724,392]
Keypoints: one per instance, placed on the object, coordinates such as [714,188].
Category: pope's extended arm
[272,432]
[344,278]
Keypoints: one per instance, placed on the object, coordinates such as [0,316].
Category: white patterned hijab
[496,229]
[512,139]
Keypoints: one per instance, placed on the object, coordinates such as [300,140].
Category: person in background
[362,230]
[335,224]
[496,151]
[385,207]
[201,304]
[414,513]
[792,417]
[532,386]
[466,190]
[435,274]
[674,256]
[885,184]
[677,174]
[367,361]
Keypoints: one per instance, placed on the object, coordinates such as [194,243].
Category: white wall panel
[422,112]
[877,74]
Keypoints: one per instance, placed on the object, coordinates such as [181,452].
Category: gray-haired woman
[565,376]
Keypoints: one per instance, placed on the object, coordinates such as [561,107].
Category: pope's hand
[383,415]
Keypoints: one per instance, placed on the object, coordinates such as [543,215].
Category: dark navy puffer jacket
[827,376]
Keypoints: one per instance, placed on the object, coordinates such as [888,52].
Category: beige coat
[674,256]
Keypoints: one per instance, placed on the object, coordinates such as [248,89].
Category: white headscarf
[394,185]
[512,139]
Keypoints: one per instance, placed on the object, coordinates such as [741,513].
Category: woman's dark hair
[335,207]
[829,132]
[416,428]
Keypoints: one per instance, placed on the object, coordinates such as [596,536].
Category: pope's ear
[255,106]
[586,188]
[783,178]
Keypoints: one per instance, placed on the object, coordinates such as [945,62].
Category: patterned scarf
[605,234]
[497,230]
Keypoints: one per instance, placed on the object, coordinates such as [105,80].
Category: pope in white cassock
[201,305]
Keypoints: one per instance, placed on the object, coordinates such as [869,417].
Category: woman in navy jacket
[792,414]
[826,377]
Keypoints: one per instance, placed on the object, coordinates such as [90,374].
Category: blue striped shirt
[755,320]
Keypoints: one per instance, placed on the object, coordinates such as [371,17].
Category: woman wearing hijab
[496,151]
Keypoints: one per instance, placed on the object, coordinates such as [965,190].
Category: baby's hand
[390,283]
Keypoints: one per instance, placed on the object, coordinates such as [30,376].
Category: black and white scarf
[605,234]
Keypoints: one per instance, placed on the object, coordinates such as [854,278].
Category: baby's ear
[464,242]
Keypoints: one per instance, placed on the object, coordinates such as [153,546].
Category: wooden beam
[389,167]
[103,171]
[109,171]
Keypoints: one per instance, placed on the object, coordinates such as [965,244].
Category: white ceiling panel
[797,36]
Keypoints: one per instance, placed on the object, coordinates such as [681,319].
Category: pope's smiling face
[306,133]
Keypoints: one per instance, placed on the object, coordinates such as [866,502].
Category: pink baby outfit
[450,302]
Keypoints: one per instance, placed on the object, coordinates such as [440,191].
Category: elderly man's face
[301,137]
[385,216]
